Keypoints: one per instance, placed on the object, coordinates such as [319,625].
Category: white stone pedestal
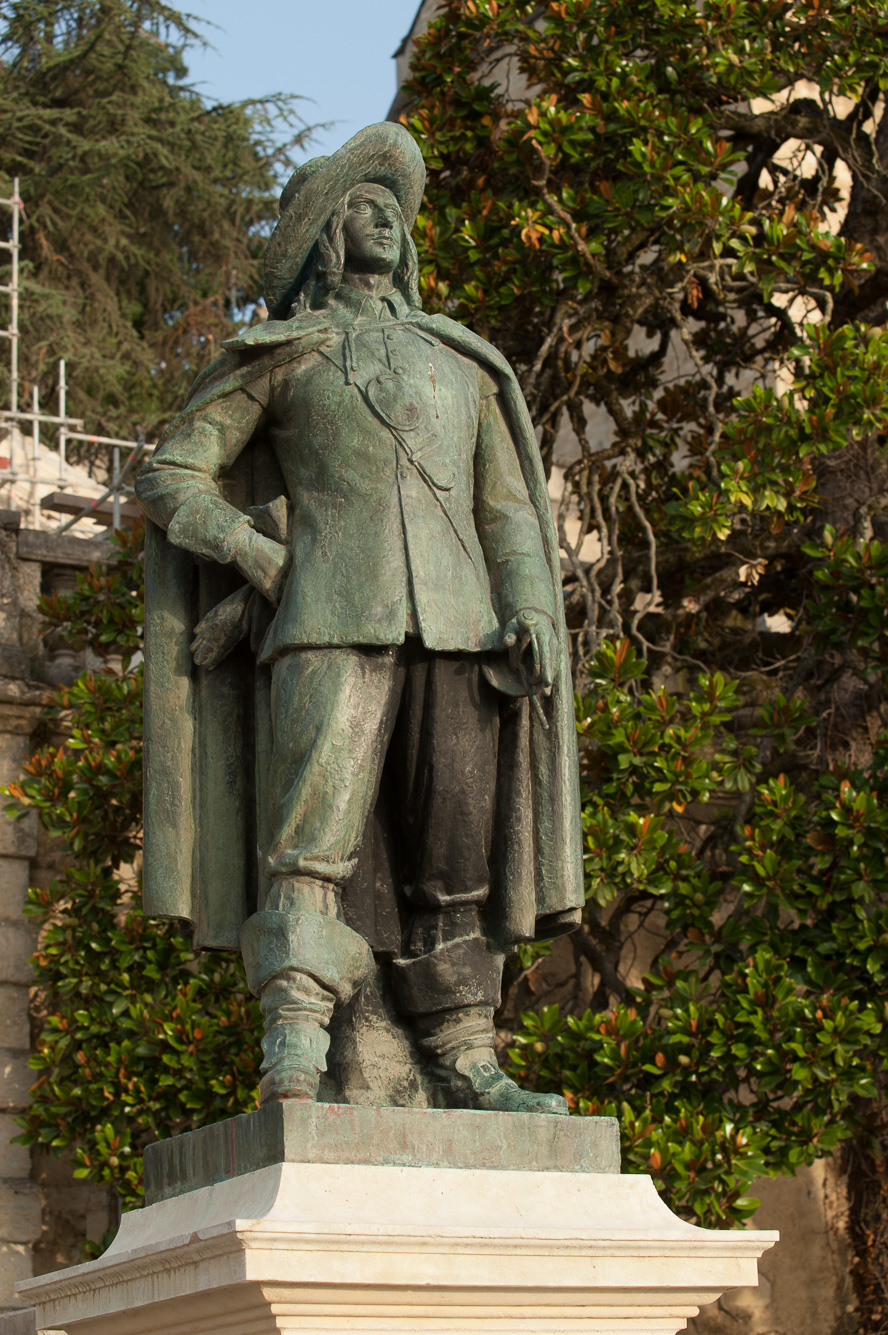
[315,1246]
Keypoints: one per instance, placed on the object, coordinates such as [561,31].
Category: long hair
[322,272]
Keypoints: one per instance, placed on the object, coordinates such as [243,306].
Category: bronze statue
[360,742]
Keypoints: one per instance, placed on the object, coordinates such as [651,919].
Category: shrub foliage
[142,1036]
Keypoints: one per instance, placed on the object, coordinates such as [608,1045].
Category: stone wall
[44,1213]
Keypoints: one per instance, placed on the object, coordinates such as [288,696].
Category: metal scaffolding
[112,505]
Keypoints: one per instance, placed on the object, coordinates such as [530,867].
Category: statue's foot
[474,1080]
[286,1081]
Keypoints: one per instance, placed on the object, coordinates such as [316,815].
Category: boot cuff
[324,948]
[462,973]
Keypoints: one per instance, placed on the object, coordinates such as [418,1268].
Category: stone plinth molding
[312,1247]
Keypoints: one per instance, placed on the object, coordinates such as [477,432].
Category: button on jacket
[409,508]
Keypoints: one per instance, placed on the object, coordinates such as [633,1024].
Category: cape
[208,732]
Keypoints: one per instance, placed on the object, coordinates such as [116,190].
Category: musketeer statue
[360,740]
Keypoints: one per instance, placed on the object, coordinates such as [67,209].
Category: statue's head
[366,233]
[372,229]
[351,211]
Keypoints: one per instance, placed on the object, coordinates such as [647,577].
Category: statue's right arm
[179,490]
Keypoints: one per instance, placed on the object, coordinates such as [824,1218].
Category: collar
[351,304]
[312,325]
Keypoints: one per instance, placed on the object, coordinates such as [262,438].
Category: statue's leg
[449,978]
[450,988]
[331,712]
[299,960]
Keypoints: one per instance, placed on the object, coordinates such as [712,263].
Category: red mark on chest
[434,388]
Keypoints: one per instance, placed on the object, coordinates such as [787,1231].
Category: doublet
[409,510]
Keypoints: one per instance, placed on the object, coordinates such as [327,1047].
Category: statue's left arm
[509,531]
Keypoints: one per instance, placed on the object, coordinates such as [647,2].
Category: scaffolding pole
[63,407]
[12,331]
[12,290]
[117,486]
[35,450]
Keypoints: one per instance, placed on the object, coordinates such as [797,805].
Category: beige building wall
[804,1282]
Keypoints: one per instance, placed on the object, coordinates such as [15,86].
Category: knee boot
[299,965]
[451,993]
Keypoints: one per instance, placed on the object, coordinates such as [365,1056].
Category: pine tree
[146,206]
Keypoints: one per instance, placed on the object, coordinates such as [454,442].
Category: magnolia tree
[673,219]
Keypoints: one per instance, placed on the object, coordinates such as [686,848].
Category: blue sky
[336,52]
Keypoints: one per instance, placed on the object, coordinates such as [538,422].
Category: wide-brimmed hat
[385,154]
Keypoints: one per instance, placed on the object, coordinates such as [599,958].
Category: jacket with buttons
[409,508]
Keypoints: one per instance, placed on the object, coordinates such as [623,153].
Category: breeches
[340,717]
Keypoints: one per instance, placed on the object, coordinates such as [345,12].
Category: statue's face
[372,230]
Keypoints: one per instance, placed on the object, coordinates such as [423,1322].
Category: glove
[533,631]
[262,561]
[208,526]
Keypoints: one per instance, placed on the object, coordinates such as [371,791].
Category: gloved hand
[533,649]
[208,526]
[262,561]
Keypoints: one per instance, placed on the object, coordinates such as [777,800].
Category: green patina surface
[360,741]
[333,1133]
